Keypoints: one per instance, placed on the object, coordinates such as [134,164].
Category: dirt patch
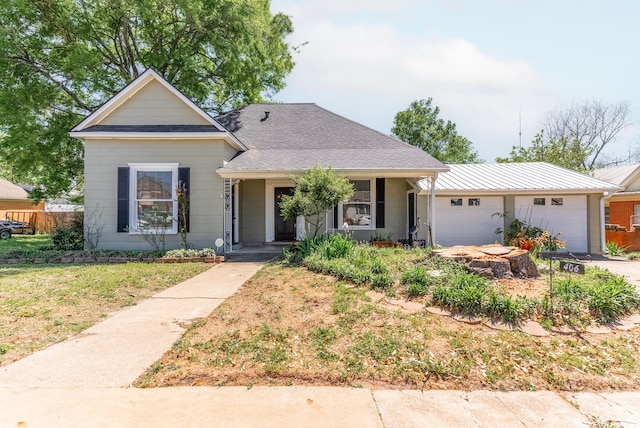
[290,326]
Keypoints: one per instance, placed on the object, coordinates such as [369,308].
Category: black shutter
[123,199]
[335,217]
[183,183]
[379,203]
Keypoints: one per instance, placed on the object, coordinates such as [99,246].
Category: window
[474,202]
[557,201]
[456,202]
[538,201]
[153,204]
[358,212]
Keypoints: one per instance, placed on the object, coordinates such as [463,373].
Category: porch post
[228,216]
[432,208]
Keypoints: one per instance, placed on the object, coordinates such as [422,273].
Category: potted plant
[382,239]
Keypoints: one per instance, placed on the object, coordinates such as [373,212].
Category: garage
[465,220]
[539,193]
[565,214]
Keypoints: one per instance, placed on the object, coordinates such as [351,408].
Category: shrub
[463,293]
[417,280]
[613,249]
[69,237]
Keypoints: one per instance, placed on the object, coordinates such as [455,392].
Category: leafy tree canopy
[420,126]
[563,152]
[316,192]
[60,60]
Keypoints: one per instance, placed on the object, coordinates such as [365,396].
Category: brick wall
[630,240]
[620,212]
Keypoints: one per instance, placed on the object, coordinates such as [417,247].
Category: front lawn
[43,304]
[291,326]
[22,243]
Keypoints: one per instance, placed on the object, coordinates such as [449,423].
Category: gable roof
[516,178]
[622,175]
[133,88]
[290,138]
[8,190]
[92,127]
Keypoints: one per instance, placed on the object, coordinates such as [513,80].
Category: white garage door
[565,214]
[467,220]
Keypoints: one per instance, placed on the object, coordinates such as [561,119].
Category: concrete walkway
[84,382]
[629,269]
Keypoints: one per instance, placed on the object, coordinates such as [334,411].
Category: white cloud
[368,72]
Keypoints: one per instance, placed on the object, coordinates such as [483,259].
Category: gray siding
[252,211]
[102,159]
[154,105]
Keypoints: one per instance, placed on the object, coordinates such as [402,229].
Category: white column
[432,208]
[236,211]
[228,216]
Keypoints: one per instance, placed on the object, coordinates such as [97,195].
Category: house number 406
[572,267]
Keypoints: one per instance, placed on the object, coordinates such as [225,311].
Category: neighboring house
[150,140]
[623,208]
[15,198]
[542,194]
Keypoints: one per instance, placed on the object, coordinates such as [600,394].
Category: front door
[285,229]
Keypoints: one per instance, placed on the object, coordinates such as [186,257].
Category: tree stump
[493,261]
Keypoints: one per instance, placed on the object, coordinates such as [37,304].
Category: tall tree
[60,60]
[420,126]
[563,152]
[592,124]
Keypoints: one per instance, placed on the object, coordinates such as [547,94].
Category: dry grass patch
[41,305]
[291,326]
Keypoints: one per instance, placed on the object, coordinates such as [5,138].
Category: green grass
[29,243]
[46,304]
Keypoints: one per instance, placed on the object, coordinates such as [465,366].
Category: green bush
[463,293]
[69,237]
[613,249]
[417,280]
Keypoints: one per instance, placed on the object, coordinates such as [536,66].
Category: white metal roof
[618,175]
[525,177]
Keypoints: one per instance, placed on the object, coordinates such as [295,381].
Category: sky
[494,67]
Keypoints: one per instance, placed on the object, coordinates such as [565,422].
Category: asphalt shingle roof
[295,137]
[9,190]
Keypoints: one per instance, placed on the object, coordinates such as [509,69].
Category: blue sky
[485,63]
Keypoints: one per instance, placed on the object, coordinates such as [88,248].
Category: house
[15,199]
[150,142]
[622,209]
[542,194]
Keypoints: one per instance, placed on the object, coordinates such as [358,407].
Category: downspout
[432,209]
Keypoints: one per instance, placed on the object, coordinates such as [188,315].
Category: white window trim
[162,167]
[373,202]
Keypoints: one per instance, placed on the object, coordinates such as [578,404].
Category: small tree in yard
[315,193]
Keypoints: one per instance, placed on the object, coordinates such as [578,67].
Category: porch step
[250,257]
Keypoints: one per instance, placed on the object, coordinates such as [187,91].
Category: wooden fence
[43,221]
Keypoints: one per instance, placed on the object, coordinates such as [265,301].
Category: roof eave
[105,135]
[381,173]
[498,192]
